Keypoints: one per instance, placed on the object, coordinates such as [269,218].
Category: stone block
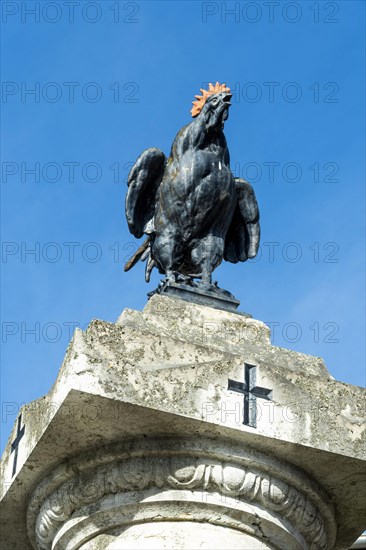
[140,428]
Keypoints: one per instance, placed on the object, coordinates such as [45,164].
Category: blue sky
[113,78]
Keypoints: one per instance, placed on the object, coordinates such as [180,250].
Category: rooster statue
[191,208]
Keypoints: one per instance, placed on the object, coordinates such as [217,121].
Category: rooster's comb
[201,99]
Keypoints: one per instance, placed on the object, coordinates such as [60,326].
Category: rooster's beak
[227,98]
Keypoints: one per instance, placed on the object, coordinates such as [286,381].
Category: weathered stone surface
[164,373]
[222,330]
[182,535]
[221,483]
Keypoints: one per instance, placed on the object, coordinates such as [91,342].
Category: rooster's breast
[197,195]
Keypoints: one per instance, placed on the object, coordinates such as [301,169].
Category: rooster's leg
[206,277]
[207,255]
[168,253]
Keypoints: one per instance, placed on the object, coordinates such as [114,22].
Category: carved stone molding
[168,479]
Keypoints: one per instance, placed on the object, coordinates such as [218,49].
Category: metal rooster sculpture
[194,212]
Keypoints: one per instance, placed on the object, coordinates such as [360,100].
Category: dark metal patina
[192,209]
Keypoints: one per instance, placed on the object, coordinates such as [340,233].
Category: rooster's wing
[143,183]
[242,238]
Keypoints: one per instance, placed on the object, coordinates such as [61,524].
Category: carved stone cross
[15,444]
[250,391]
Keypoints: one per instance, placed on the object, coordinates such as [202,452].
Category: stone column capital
[175,479]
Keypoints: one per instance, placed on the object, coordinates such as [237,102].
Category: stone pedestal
[141,442]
